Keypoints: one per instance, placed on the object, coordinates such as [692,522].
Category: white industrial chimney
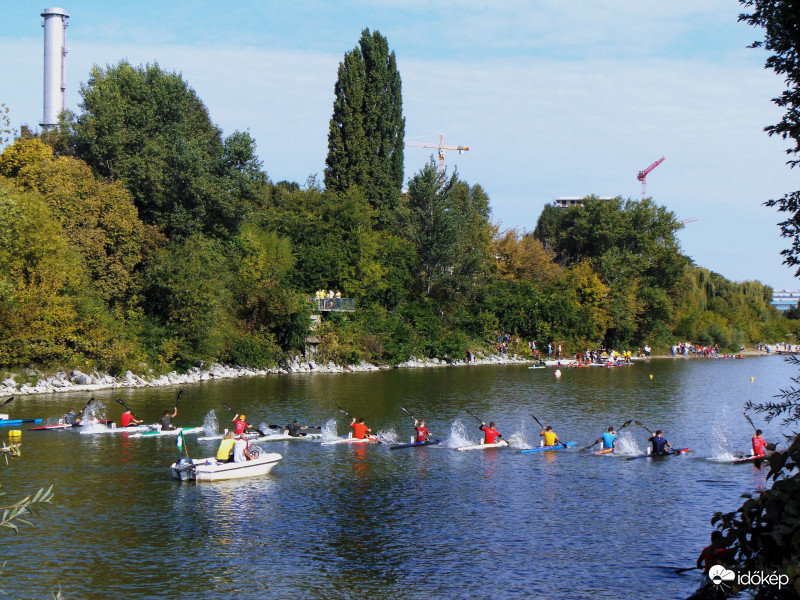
[55,53]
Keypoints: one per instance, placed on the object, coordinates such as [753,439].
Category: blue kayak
[549,448]
[18,421]
[414,444]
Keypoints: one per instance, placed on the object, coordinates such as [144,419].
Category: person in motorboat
[490,434]
[71,418]
[225,450]
[295,430]
[241,451]
[660,445]
[550,437]
[360,430]
[609,438]
[166,420]
[240,425]
[128,420]
[422,432]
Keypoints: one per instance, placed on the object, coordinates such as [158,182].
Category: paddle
[624,425]
[684,569]
[542,426]
[770,447]
[273,426]
[416,420]
[482,422]
[6,402]
[126,407]
[178,399]
[344,412]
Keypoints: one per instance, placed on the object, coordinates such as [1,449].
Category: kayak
[366,440]
[673,453]
[18,421]
[500,444]
[538,367]
[415,444]
[603,451]
[159,433]
[285,437]
[751,458]
[63,426]
[209,438]
[549,448]
[114,429]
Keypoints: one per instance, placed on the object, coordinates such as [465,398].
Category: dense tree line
[137,236]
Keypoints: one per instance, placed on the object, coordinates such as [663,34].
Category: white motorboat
[210,469]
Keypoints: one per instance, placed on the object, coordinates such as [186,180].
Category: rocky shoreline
[77,381]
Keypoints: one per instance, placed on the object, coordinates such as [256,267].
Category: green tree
[149,129]
[367,129]
[779,19]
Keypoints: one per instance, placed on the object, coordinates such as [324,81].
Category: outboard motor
[184,469]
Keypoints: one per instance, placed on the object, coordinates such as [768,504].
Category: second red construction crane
[642,176]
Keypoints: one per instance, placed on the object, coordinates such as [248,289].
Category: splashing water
[722,438]
[328,431]
[626,445]
[458,436]
[210,423]
[388,437]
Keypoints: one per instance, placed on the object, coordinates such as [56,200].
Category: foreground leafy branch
[20,512]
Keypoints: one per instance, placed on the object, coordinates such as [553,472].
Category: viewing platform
[334,304]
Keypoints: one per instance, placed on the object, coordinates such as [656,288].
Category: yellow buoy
[651,376]
[752,379]
[15,433]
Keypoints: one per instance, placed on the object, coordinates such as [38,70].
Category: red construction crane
[441,147]
[642,176]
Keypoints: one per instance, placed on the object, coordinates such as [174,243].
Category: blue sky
[553,99]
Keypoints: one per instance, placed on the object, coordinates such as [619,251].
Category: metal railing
[334,304]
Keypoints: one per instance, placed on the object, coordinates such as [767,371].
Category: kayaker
[490,434]
[759,444]
[166,420]
[295,430]
[225,450]
[128,420]
[608,438]
[71,418]
[660,445]
[550,437]
[422,432]
[713,554]
[360,430]
[241,452]
[240,425]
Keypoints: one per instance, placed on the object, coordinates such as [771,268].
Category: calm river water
[366,522]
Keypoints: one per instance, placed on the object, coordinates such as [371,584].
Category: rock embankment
[77,381]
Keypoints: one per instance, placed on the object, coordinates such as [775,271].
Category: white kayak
[270,437]
[217,437]
[93,429]
[500,444]
[366,440]
[210,469]
[159,433]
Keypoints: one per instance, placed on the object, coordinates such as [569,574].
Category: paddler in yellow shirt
[550,438]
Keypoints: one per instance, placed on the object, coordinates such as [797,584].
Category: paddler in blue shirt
[660,445]
[608,439]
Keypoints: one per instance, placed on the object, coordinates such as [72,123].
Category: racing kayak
[414,444]
[366,440]
[549,448]
[63,426]
[673,453]
[159,433]
[603,451]
[114,429]
[500,444]
[751,458]
[285,437]
[18,421]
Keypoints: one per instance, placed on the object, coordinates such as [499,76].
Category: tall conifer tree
[366,137]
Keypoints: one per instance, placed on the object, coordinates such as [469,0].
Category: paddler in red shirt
[240,425]
[490,434]
[422,432]
[360,430]
[128,420]
[759,444]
